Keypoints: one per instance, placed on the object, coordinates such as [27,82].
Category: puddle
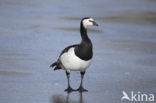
[77,30]
[14,74]
[125,17]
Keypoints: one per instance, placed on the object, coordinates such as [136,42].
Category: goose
[77,57]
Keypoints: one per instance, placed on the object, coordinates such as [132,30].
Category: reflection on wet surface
[67,99]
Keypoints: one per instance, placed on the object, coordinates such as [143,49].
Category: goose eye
[90,20]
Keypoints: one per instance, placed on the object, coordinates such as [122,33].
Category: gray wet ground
[33,33]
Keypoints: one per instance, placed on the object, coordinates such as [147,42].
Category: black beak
[94,23]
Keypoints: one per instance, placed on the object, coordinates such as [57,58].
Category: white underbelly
[71,62]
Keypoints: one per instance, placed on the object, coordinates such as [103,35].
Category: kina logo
[138,96]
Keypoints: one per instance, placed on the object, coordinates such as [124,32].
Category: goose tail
[55,65]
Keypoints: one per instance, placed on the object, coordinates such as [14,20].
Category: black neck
[84,49]
[83,32]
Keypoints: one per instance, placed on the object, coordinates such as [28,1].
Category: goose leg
[69,89]
[81,89]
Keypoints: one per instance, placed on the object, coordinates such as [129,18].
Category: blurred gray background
[34,32]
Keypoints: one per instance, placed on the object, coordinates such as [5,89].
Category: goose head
[88,21]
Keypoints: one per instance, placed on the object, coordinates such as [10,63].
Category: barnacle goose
[77,57]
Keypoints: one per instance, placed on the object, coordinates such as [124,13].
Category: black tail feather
[55,68]
[56,64]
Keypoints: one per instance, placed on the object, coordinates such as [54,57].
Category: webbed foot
[69,89]
[81,89]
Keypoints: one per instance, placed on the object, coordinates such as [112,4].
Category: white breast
[71,62]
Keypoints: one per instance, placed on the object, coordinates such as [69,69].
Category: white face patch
[87,22]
